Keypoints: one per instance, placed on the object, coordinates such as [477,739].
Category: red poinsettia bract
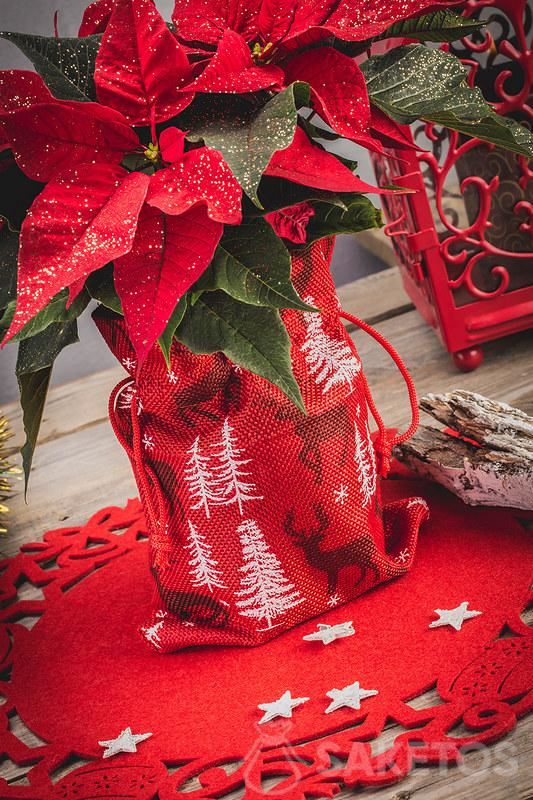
[141,68]
[276,30]
[93,211]
[291,222]
[96,17]
[289,22]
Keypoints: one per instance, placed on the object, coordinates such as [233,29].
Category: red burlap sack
[260,516]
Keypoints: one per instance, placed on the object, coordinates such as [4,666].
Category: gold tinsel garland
[7,470]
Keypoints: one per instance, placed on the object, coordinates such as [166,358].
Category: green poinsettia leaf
[166,339]
[330,220]
[36,357]
[249,140]
[55,312]
[66,65]
[252,337]
[15,203]
[276,193]
[42,350]
[439,26]
[9,245]
[415,82]
[252,265]
[101,287]
[33,388]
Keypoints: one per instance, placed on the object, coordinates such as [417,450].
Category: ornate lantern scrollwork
[464,239]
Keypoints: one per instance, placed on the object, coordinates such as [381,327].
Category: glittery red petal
[206,20]
[167,257]
[338,86]
[20,88]
[48,138]
[306,163]
[201,176]
[140,65]
[232,69]
[96,17]
[78,223]
[389,132]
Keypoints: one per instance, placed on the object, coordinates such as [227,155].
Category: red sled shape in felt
[82,674]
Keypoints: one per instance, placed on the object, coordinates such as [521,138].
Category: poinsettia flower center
[262,54]
[152,153]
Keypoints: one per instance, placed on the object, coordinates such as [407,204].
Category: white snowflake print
[232,481]
[331,361]
[341,494]
[202,482]
[129,364]
[218,479]
[265,590]
[204,569]
[148,442]
[365,464]
[403,556]
[334,600]
[172,378]
[151,634]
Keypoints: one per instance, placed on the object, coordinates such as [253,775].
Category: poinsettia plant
[166,170]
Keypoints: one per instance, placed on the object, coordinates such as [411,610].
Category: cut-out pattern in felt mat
[82,673]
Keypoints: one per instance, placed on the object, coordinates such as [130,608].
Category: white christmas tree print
[331,361]
[365,463]
[231,479]
[203,485]
[151,634]
[265,590]
[204,568]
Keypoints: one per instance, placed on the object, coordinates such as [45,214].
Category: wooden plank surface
[79,467]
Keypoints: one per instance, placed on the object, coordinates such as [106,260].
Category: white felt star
[350,697]
[328,633]
[281,707]
[126,742]
[453,616]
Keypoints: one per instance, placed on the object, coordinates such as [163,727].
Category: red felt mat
[82,673]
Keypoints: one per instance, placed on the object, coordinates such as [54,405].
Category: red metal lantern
[463,240]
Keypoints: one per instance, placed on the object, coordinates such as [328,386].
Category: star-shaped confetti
[125,742]
[281,707]
[454,616]
[328,633]
[349,697]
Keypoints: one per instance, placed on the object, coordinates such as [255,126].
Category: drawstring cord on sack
[148,482]
[386,442]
